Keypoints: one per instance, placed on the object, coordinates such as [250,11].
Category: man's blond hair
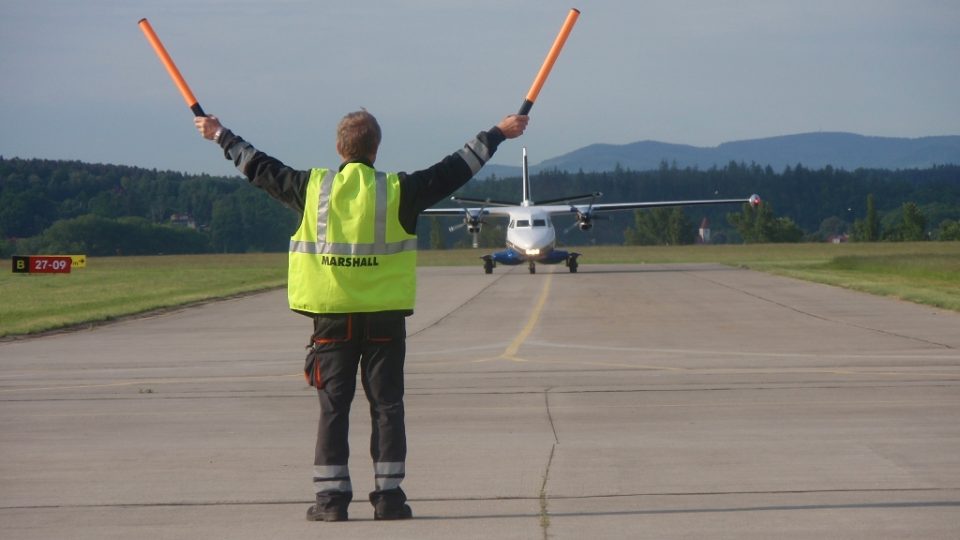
[358,135]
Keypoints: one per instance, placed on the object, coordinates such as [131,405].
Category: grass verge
[112,287]
[931,279]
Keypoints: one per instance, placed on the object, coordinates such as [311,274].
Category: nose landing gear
[488,264]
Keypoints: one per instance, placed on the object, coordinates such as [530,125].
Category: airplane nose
[535,240]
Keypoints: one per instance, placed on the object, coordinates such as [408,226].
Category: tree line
[69,206]
[55,206]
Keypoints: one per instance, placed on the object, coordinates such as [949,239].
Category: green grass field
[112,287]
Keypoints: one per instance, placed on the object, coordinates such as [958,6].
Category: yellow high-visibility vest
[350,254]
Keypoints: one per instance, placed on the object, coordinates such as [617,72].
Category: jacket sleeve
[422,189]
[281,182]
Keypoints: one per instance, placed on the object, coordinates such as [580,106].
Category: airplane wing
[450,211]
[487,207]
[610,207]
[581,209]
[590,209]
[483,202]
[475,212]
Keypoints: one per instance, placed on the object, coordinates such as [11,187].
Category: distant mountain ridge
[839,150]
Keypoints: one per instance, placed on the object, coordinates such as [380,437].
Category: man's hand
[513,125]
[208,126]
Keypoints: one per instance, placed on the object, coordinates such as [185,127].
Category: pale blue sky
[80,81]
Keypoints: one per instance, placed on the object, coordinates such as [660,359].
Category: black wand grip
[525,108]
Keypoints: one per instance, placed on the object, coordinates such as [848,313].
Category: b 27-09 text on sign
[42,264]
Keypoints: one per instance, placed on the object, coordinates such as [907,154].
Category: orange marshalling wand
[171,68]
[548,63]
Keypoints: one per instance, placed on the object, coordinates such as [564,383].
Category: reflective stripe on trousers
[389,474]
[331,478]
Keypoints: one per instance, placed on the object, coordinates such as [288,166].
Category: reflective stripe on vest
[379,245]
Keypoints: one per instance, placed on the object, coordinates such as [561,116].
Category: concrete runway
[646,401]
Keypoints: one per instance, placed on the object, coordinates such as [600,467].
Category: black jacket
[418,190]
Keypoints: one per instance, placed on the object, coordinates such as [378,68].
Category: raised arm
[286,184]
[422,189]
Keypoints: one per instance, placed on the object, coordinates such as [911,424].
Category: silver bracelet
[216,136]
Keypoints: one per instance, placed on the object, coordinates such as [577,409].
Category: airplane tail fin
[527,201]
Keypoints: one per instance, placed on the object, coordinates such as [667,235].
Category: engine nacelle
[584,221]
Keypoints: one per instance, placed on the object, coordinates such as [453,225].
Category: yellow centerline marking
[511,352]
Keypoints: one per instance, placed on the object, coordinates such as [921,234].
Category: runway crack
[544,501]
[546,402]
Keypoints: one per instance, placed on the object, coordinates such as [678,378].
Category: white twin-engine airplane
[531,237]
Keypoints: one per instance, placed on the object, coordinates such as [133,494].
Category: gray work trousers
[376,345]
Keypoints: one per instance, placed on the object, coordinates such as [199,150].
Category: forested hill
[848,151]
[70,206]
[112,209]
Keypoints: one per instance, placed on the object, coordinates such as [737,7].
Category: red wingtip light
[754,200]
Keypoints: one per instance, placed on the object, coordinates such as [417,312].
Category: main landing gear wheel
[533,268]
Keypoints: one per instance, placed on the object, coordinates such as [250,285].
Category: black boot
[400,512]
[315,513]
[331,506]
[390,505]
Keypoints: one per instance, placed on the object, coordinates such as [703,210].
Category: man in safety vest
[352,269]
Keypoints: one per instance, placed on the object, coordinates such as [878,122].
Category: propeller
[473,223]
[585,222]
[585,218]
